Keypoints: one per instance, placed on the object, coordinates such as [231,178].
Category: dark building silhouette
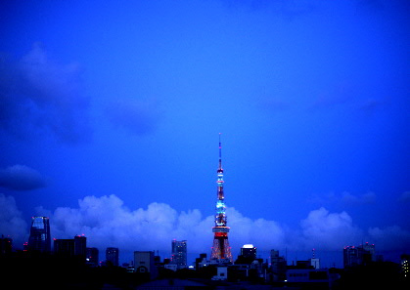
[80,246]
[40,239]
[71,247]
[112,256]
[64,247]
[92,257]
[6,246]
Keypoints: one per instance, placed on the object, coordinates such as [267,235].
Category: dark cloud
[390,238]
[39,95]
[405,197]
[346,198]
[273,105]
[139,117]
[21,177]
[351,199]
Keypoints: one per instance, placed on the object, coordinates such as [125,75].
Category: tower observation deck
[221,250]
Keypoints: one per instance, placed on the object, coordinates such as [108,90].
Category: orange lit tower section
[221,250]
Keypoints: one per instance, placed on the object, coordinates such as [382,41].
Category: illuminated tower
[221,250]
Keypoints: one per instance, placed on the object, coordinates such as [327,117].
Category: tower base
[221,250]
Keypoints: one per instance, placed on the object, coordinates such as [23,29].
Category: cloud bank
[12,223]
[107,222]
[39,95]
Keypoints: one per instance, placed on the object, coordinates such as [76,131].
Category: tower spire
[220,152]
[221,250]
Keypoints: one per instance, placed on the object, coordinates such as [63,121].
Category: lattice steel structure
[221,250]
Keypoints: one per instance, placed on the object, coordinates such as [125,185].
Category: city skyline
[350,256]
[109,115]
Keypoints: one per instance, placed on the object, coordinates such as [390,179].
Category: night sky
[110,113]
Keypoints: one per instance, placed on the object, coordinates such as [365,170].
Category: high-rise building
[221,251]
[80,246]
[112,255]
[368,253]
[248,251]
[363,254]
[179,253]
[92,257]
[40,239]
[71,247]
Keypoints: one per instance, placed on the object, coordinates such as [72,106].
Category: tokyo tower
[221,250]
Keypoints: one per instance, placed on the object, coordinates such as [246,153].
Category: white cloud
[106,221]
[330,231]
[12,223]
[262,233]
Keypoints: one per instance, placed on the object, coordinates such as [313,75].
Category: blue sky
[113,110]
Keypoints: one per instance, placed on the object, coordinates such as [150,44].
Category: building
[112,256]
[92,257]
[6,246]
[350,256]
[315,263]
[80,246]
[368,253]
[201,261]
[404,264]
[76,247]
[64,247]
[179,253]
[247,254]
[278,266]
[221,273]
[144,263]
[361,255]
[309,278]
[248,251]
[40,239]
[221,251]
